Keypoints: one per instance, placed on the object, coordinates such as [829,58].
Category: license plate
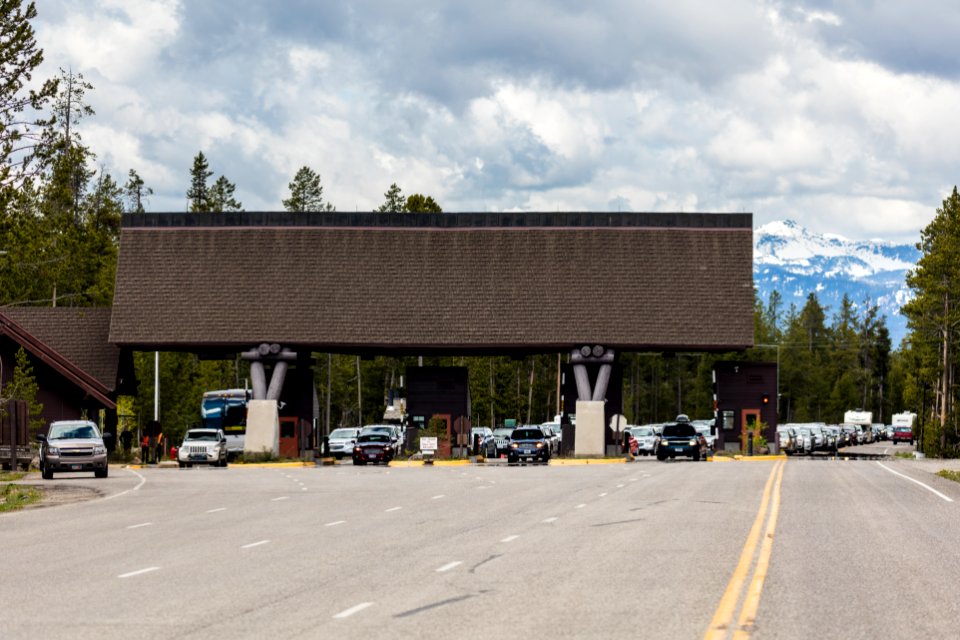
[76,466]
[678,448]
[371,455]
[198,456]
[527,451]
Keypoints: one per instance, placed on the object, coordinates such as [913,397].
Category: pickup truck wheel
[46,473]
[182,464]
[101,473]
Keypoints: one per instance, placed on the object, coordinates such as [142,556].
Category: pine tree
[934,318]
[199,193]
[23,386]
[19,58]
[221,196]
[394,202]
[306,193]
[136,193]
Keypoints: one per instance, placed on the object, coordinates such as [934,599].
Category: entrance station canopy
[434,283]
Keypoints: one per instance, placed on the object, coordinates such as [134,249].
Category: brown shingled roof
[78,334]
[457,289]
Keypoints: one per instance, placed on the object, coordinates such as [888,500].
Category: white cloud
[739,106]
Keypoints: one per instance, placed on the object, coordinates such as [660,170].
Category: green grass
[10,476]
[13,496]
[949,475]
[903,454]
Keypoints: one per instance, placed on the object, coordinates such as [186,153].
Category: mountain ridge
[794,261]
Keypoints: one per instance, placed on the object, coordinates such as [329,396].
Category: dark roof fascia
[489,220]
[219,351]
[53,359]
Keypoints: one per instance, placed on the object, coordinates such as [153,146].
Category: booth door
[289,443]
[749,427]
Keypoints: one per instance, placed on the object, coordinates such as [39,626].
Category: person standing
[144,449]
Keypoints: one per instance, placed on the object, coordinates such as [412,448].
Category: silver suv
[203,446]
[72,445]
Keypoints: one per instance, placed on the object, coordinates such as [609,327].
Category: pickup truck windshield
[679,431]
[527,434]
[203,435]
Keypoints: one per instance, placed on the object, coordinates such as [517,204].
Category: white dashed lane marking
[255,544]
[552,519]
[218,510]
[393,509]
[442,495]
[138,573]
[509,538]
[333,524]
[142,524]
[352,610]
[580,506]
[449,565]
[280,498]
[603,495]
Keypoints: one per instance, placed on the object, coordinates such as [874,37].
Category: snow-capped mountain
[796,262]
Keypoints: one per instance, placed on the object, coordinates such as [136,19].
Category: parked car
[902,434]
[819,437]
[553,437]
[805,442]
[705,428]
[73,445]
[849,435]
[373,446]
[528,443]
[879,431]
[341,441]
[203,446]
[557,429]
[681,439]
[647,440]
[787,439]
[501,436]
[834,436]
[889,432]
[390,431]
[487,445]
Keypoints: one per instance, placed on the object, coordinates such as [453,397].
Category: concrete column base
[591,436]
[263,429]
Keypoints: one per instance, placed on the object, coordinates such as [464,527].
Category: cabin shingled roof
[78,334]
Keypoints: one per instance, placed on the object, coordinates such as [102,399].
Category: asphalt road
[828,549]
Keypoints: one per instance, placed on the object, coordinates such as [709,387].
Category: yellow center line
[723,616]
[748,615]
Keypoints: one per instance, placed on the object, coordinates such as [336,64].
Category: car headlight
[53,451]
[514,445]
[99,450]
[693,442]
[539,445]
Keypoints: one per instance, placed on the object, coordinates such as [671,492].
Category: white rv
[863,419]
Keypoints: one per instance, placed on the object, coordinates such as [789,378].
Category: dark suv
[681,439]
[528,443]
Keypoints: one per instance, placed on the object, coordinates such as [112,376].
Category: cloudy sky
[841,115]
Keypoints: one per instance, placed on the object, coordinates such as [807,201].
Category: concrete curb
[433,463]
[582,461]
[739,458]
